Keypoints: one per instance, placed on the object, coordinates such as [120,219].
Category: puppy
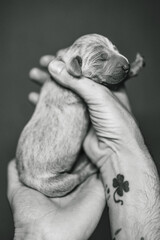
[48,151]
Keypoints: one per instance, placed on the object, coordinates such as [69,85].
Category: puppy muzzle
[118,70]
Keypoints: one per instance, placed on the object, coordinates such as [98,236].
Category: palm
[72,217]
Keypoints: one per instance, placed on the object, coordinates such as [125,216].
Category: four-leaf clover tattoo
[121,186]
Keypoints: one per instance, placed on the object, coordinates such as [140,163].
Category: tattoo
[116,233]
[121,186]
[108,192]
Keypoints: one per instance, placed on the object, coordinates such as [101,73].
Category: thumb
[90,91]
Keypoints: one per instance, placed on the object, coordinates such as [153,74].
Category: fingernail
[56,67]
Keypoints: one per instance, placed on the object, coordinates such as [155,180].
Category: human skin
[60,120]
[36,217]
[115,144]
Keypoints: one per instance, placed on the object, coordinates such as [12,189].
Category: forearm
[134,201]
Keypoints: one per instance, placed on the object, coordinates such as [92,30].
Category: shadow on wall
[32,28]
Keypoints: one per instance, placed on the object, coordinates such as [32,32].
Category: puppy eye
[104,57]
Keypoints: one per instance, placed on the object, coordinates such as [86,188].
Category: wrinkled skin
[51,141]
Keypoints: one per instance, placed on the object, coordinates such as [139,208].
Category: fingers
[81,86]
[38,76]
[86,88]
[13,180]
[89,90]
[33,97]
[45,60]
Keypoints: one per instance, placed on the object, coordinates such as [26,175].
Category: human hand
[72,217]
[113,125]
[115,145]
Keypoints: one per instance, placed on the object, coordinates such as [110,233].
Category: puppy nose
[126,67]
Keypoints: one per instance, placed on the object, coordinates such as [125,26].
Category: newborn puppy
[48,151]
[95,57]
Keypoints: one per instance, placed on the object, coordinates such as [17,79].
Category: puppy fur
[48,151]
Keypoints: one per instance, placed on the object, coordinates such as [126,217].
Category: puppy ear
[74,66]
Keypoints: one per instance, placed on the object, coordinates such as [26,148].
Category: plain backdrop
[30,29]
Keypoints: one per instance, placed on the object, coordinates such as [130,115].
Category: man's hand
[37,217]
[109,112]
[113,125]
[115,145]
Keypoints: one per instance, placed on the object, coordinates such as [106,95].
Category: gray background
[29,29]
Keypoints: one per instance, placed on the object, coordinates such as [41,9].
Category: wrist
[126,152]
[133,161]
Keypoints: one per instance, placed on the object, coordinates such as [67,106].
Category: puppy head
[95,57]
